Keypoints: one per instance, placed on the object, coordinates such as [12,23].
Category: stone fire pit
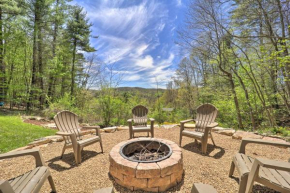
[149,164]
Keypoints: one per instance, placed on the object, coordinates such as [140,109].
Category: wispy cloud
[130,36]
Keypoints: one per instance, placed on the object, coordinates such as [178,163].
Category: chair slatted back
[206,115]
[68,122]
[140,115]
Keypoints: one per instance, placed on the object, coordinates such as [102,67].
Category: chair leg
[232,169]
[78,155]
[243,184]
[195,142]
[50,180]
[180,140]
[63,150]
[147,134]
[101,144]
[212,140]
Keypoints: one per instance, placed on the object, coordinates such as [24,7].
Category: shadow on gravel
[68,160]
[196,148]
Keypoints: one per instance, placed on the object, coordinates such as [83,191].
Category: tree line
[238,59]
[42,46]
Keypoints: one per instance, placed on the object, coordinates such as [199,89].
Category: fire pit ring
[145,151]
[154,176]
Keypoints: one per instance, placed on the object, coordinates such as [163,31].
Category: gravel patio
[93,172]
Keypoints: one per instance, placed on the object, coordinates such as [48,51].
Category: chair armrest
[129,120]
[33,152]
[259,141]
[5,187]
[151,119]
[274,164]
[186,121]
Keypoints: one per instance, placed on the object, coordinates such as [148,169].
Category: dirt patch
[93,173]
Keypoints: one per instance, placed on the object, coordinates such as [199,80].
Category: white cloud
[132,78]
[128,33]
[146,62]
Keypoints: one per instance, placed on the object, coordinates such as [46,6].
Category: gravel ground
[93,172]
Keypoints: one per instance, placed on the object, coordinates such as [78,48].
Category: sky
[137,38]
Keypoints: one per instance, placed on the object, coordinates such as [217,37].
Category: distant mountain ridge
[140,89]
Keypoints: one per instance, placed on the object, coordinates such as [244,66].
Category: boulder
[228,132]
[50,126]
[110,129]
[245,134]
[168,126]
[40,141]
[189,125]
[120,128]
[54,138]
[218,128]
[87,131]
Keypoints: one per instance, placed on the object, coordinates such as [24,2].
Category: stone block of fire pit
[148,164]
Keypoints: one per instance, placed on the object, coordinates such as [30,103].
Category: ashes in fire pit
[145,151]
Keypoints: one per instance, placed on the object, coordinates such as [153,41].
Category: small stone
[39,142]
[122,128]
[50,126]
[189,125]
[54,138]
[228,132]
[110,129]
[244,134]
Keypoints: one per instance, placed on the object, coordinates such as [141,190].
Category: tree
[78,31]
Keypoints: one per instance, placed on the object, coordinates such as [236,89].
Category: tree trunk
[73,68]
[3,89]
[33,86]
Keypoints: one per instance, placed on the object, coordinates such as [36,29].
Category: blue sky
[137,37]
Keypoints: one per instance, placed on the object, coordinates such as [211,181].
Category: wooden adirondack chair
[139,122]
[271,173]
[30,182]
[204,122]
[68,124]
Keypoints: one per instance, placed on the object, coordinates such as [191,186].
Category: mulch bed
[93,173]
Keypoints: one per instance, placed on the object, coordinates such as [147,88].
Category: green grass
[14,133]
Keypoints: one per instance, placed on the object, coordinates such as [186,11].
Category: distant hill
[141,90]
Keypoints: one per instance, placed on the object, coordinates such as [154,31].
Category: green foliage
[14,133]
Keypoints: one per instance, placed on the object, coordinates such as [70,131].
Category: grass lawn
[14,133]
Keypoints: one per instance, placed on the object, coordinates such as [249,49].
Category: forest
[236,57]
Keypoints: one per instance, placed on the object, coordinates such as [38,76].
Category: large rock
[110,129]
[122,128]
[189,125]
[54,138]
[40,141]
[50,126]
[228,132]
[220,129]
[244,134]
